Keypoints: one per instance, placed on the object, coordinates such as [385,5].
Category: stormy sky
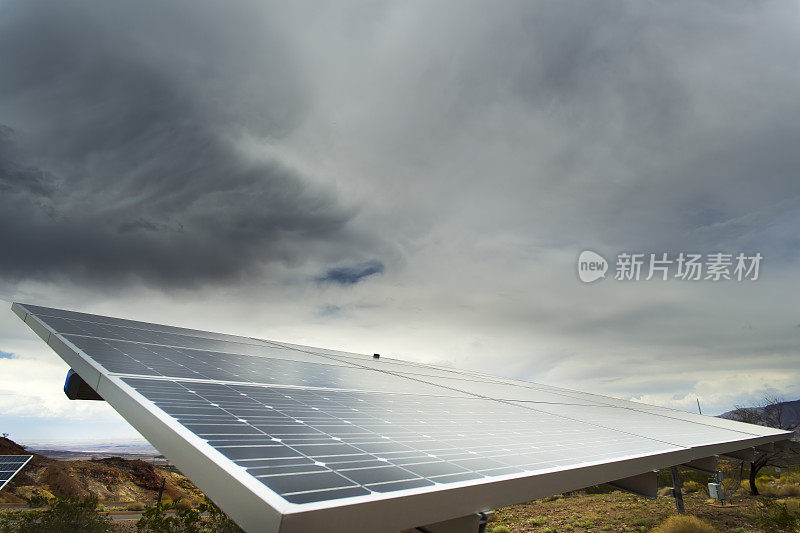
[410,178]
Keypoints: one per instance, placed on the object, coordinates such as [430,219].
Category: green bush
[37,500]
[218,521]
[185,519]
[155,519]
[774,517]
[65,515]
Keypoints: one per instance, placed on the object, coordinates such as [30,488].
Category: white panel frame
[256,508]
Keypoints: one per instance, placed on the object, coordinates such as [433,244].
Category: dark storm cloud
[351,275]
[632,124]
[118,152]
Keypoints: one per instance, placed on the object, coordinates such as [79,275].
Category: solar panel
[294,438]
[10,465]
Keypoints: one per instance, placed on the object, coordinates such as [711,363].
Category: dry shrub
[793,505]
[790,477]
[684,524]
[787,491]
[185,504]
[691,486]
[135,506]
[776,488]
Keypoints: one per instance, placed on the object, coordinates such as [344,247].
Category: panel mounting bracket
[746,454]
[475,523]
[645,485]
[704,464]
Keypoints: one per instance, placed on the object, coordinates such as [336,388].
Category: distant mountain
[790,413]
[98,447]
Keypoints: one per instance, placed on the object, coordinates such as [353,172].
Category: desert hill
[789,413]
[113,480]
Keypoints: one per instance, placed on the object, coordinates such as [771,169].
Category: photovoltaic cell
[304,430]
[369,440]
[124,357]
[10,465]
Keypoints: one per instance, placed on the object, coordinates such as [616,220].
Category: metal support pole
[161,491]
[718,477]
[676,490]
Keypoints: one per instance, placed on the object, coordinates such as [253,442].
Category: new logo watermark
[630,266]
[591,266]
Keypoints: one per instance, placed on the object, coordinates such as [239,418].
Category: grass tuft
[684,524]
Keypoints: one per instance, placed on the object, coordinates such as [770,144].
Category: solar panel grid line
[136,362]
[528,407]
[715,421]
[266,384]
[420,376]
[629,432]
[490,493]
[360,358]
[310,351]
[141,369]
[706,421]
[440,455]
[678,415]
[311,506]
[186,332]
[333,354]
[695,423]
[300,451]
[89,370]
[167,344]
[344,470]
[155,341]
[417,461]
[220,478]
[132,324]
[364,364]
[10,466]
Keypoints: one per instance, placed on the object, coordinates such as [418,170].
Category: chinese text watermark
[629,266]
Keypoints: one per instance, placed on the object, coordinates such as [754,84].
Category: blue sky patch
[352,274]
